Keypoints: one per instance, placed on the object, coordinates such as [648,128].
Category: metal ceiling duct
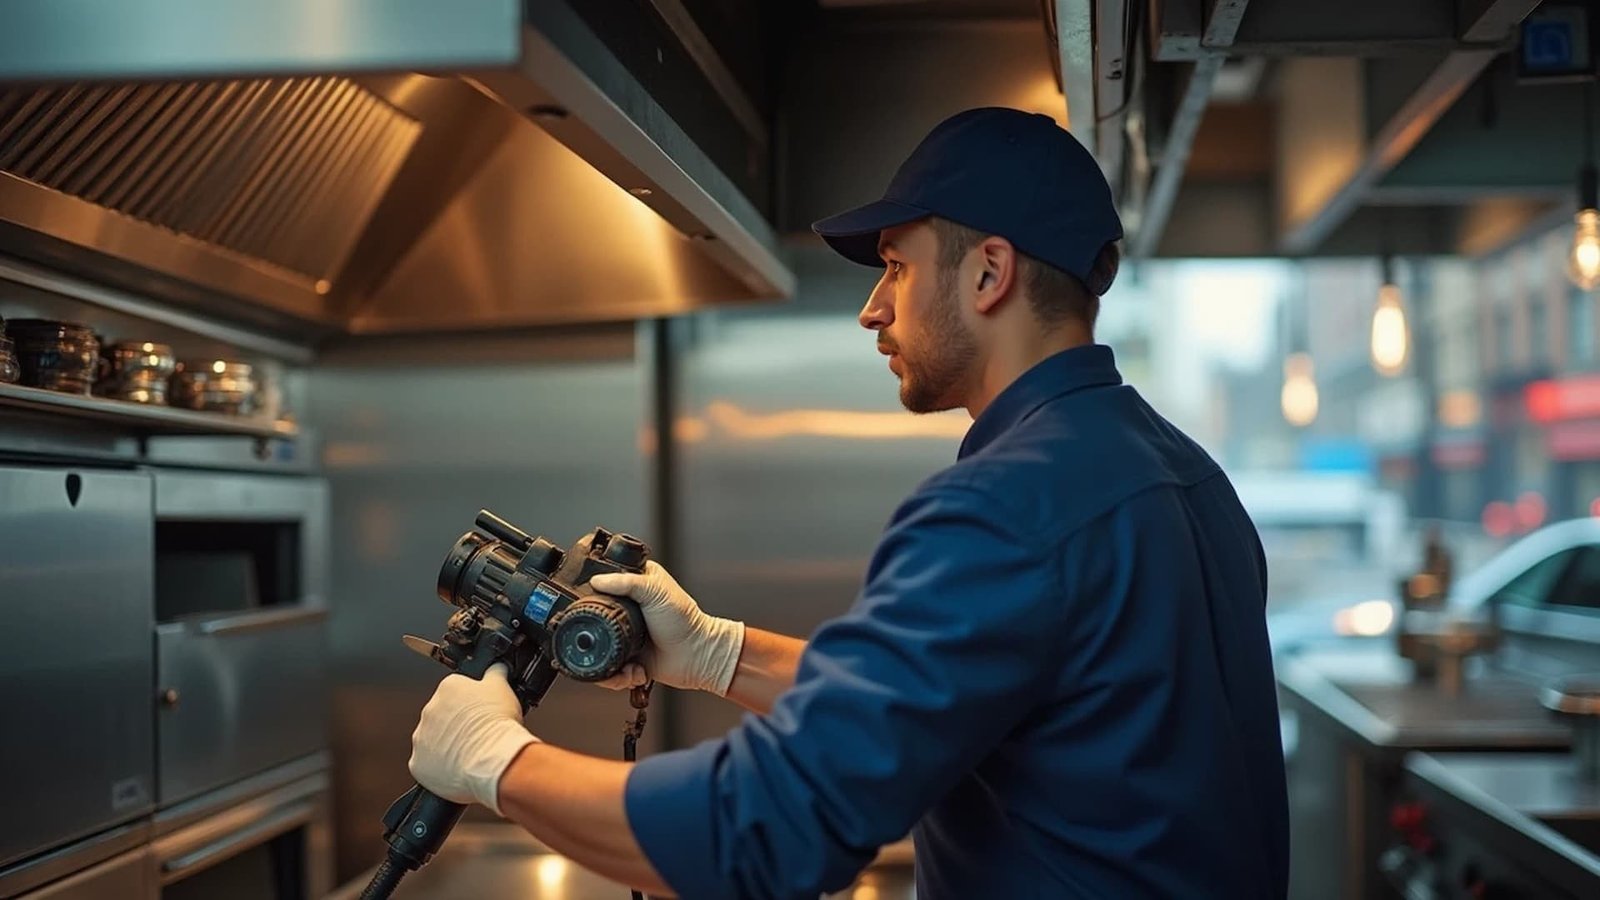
[288,165]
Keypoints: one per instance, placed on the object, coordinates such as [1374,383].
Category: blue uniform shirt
[1057,674]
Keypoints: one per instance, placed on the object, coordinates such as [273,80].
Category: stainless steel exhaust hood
[363,166]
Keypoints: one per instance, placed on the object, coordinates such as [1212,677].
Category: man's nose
[878,314]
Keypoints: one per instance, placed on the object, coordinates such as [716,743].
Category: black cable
[384,880]
[640,698]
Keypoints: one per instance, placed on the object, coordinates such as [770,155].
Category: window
[1532,588]
[1580,327]
[1580,586]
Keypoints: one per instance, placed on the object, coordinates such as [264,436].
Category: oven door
[274,846]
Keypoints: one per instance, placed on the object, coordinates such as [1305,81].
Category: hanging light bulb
[1389,326]
[1583,260]
[1299,397]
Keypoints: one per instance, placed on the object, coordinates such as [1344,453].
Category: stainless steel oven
[267,838]
[75,698]
[240,587]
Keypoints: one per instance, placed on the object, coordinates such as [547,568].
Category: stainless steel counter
[1371,694]
[503,861]
[1522,824]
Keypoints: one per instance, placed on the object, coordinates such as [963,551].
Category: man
[1057,674]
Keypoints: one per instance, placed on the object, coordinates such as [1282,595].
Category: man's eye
[895,267]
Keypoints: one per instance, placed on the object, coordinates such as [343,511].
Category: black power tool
[524,602]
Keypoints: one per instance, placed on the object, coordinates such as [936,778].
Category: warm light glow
[865,892]
[689,430]
[1299,396]
[1366,619]
[1530,509]
[1583,260]
[1460,409]
[551,872]
[219,367]
[1042,96]
[1389,332]
[1498,519]
[839,423]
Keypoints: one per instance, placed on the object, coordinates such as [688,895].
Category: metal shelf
[142,418]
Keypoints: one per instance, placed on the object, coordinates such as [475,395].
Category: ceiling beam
[1187,29]
[1179,23]
[1222,22]
[1175,156]
[1490,20]
[1341,196]
[709,62]
[1075,41]
[1112,85]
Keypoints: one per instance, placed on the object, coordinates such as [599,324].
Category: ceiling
[1304,127]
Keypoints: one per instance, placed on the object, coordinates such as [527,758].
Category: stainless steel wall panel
[419,434]
[794,453]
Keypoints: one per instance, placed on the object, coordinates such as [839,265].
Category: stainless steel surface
[538,235]
[18,272]
[503,861]
[1576,700]
[235,497]
[73,858]
[300,808]
[547,430]
[1357,715]
[126,877]
[794,451]
[1372,695]
[282,173]
[328,203]
[67,39]
[1522,826]
[141,417]
[251,685]
[312,769]
[76,568]
[251,695]
[1541,785]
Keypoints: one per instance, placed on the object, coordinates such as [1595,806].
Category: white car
[1556,567]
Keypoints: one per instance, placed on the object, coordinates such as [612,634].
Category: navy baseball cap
[1004,172]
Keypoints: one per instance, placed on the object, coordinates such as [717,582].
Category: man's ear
[997,272]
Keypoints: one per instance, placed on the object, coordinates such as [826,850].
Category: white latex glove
[469,733]
[687,649]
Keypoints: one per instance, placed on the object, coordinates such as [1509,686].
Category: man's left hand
[469,733]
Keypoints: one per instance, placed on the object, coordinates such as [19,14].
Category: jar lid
[203,369]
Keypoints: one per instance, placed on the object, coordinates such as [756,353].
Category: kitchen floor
[502,861]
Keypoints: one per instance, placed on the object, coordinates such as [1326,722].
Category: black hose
[384,881]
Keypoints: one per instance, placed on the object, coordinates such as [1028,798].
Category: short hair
[1055,295]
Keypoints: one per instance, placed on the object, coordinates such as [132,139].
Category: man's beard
[945,348]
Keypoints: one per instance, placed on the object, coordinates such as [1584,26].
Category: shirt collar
[1090,365]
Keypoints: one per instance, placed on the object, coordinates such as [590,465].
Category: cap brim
[854,234]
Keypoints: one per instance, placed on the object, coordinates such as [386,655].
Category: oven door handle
[264,829]
[255,621]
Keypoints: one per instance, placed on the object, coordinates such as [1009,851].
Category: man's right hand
[687,648]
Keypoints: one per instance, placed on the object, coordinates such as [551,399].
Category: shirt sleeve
[943,653]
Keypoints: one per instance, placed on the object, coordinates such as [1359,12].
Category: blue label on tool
[539,602]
